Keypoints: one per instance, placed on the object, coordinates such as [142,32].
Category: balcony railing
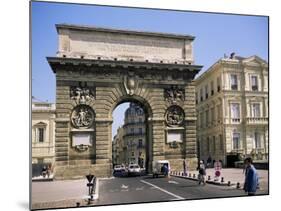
[134,134]
[239,150]
[235,120]
[134,123]
[257,120]
[258,150]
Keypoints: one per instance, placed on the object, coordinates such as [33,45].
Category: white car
[118,168]
[134,169]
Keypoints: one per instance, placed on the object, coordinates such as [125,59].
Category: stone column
[103,147]
[158,143]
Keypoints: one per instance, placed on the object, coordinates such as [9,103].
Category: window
[133,154]
[212,88]
[218,113]
[218,84]
[235,111]
[201,119]
[40,134]
[256,110]
[254,82]
[132,130]
[201,94]
[206,91]
[207,117]
[196,96]
[140,142]
[257,140]
[140,153]
[212,115]
[220,142]
[214,143]
[236,140]
[208,145]
[234,82]
[140,120]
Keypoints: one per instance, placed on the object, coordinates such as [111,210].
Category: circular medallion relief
[174,116]
[82,117]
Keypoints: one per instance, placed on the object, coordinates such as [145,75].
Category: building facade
[232,110]
[43,136]
[118,148]
[134,136]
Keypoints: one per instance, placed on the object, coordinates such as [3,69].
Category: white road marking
[161,189]
[174,182]
[124,186]
[140,188]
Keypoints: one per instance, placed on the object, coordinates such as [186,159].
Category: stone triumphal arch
[97,69]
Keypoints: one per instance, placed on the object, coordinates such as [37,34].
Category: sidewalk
[229,174]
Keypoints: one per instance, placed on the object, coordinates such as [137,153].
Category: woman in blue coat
[251,177]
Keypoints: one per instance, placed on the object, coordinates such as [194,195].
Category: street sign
[90,177]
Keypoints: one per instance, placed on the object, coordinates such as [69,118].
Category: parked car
[158,168]
[118,168]
[134,169]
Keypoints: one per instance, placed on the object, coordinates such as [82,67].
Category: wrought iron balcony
[134,134]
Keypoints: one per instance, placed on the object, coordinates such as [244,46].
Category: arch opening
[131,136]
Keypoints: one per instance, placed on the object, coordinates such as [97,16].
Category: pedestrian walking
[49,170]
[251,177]
[202,173]
[44,171]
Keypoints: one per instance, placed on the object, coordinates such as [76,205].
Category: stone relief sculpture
[82,94]
[174,116]
[82,117]
[130,83]
[174,94]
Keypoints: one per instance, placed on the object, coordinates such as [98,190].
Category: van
[157,167]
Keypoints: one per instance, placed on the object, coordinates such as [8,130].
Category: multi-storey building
[118,153]
[43,136]
[232,110]
[134,135]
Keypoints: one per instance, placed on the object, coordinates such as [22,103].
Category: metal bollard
[194,176]
[222,179]
[228,183]
[77,204]
[238,185]
[209,177]
[189,174]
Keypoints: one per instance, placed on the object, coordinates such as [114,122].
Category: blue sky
[215,34]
